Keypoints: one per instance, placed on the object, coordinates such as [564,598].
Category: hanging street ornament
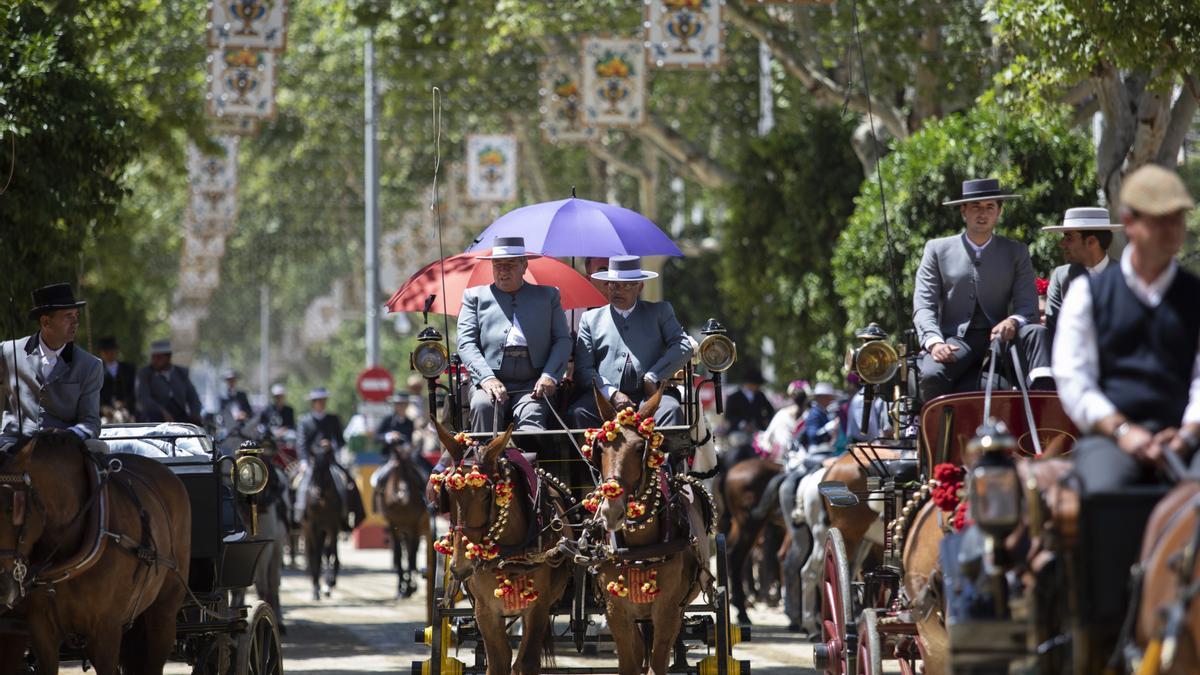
[614,82]
[241,82]
[491,167]
[562,102]
[232,125]
[252,24]
[216,172]
[684,33]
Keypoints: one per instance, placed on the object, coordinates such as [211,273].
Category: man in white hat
[820,425]
[1127,353]
[972,288]
[628,347]
[320,431]
[1086,236]
[234,404]
[46,380]
[278,415]
[513,339]
[164,391]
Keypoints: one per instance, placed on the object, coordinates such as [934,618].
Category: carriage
[451,624]
[212,635]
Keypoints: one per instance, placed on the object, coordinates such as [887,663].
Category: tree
[1041,158]
[1123,58]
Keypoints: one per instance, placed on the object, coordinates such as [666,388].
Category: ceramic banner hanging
[241,82]
[562,102]
[211,173]
[253,24]
[232,125]
[684,33]
[613,82]
[491,167]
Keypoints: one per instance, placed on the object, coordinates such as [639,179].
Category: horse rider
[395,432]
[234,404]
[628,347]
[787,422]
[319,428]
[965,287]
[514,340]
[820,425]
[780,436]
[164,391]
[1086,236]
[47,381]
[1127,353]
[119,391]
[278,415]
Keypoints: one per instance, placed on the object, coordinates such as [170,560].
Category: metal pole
[371,181]
[264,342]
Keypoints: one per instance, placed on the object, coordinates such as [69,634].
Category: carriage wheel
[836,653]
[258,649]
[870,644]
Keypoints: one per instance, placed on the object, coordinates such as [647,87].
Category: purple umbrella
[578,227]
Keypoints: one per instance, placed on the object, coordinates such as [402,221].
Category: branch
[820,85]
[704,169]
[614,160]
[1182,114]
[533,168]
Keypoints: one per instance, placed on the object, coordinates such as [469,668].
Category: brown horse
[498,546]
[656,571]
[87,553]
[922,584]
[401,498]
[1167,549]
[744,492]
[321,521]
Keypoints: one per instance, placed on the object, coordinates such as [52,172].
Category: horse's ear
[452,446]
[650,405]
[498,445]
[603,405]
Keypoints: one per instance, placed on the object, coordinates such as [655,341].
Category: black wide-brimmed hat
[53,297]
[981,190]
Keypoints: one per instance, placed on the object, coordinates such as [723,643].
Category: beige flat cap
[1155,191]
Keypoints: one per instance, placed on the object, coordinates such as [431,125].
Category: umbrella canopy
[466,270]
[578,227]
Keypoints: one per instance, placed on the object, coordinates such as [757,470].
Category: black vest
[1146,354]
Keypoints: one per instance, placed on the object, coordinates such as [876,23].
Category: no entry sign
[374,384]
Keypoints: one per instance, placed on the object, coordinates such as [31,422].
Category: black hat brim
[981,198]
[46,309]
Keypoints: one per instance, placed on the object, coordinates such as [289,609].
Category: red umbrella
[466,270]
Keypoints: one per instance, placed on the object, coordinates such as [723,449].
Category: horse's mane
[46,441]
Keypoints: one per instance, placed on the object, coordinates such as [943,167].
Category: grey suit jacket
[487,317]
[1060,280]
[68,399]
[651,338]
[949,284]
[159,397]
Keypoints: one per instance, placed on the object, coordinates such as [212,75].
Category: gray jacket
[167,398]
[651,339]
[1060,280]
[487,317]
[68,399]
[950,282]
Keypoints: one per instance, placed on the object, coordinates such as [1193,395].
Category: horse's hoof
[316,596]
[328,591]
[744,619]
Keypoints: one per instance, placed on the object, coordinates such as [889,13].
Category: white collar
[1149,293]
[625,312]
[46,351]
[319,415]
[1100,266]
[976,247]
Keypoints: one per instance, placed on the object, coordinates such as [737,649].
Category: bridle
[499,495]
[23,492]
[638,515]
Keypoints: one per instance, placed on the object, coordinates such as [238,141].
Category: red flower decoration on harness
[484,551]
[650,587]
[656,459]
[629,418]
[503,492]
[618,588]
[455,480]
[504,585]
[948,479]
[962,518]
[475,478]
[611,489]
[445,545]
[591,502]
[464,440]
[646,427]
[635,509]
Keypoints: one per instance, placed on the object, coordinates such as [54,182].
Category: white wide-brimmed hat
[508,247]
[824,389]
[1085,218]
[160,347]
[318,394]
[278,390]
[625,268]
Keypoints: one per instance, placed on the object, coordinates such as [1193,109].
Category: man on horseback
[46,380]
[395,433]
[514,340]
[164,391]
[278,415]
[321,431]
[1127,353]
[965,287]
[628,347]
[1086,236]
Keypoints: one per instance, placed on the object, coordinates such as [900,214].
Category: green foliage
[1050,165]
[794,196]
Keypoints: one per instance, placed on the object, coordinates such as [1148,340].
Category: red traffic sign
[374,384]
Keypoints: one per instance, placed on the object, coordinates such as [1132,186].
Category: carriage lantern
[876,361]
[430,358]
[995,490]
[249,477]
[717,351]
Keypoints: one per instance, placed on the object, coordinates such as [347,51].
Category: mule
[660,535]
[403,506]
[503,544]
[88,550]
[320,524]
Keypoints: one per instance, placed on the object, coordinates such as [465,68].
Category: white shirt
[1100,267]
[49,358]
[977,248]
[625,312]
[111,368]
[608,389]
[1076,356]
[516,336]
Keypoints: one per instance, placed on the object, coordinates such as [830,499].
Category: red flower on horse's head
[1043,285]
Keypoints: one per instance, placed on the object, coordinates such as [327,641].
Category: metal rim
[835,605]
[259,651]
[870,645]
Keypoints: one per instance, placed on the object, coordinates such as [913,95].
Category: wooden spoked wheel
[258,649]
[870,644]
[836,652]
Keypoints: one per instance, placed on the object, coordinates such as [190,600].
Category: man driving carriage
[1086,236]
[965,287]
[321,431]
[514,340]
[47,381]
[628,347]
[164,391]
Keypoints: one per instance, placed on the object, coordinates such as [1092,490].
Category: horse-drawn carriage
[210,633]
[610,518]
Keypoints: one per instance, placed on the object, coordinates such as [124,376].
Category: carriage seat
[904,470]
